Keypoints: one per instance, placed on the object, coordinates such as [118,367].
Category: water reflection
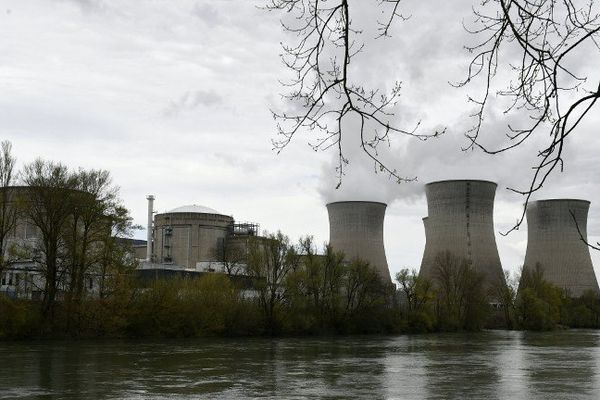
[563,363]
[491,365]
[462,366]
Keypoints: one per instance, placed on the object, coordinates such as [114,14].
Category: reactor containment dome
[460,221]
[189,235]
[554,242]
[356,229]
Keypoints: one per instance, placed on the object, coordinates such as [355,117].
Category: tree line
[283,288]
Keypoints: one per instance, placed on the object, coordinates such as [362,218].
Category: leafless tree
[323,93]
[461,298]
[92,220]
[8,213]
[49,206]
[547,82]
[233,255]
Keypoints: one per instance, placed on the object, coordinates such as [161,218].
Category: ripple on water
[491,365]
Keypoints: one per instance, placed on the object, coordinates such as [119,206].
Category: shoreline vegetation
[290,290]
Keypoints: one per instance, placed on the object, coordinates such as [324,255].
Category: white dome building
[190,236]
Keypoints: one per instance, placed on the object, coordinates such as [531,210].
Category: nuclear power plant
[460,221]
[356,229]
[554,242]
[195,239]
[192,238]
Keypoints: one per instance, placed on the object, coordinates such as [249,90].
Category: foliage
[417,296]
[314,290]
[269,262]
[328,294]
[539,302]
[314,294]
[461,301]
[18,319]
[581,312]
[183,307]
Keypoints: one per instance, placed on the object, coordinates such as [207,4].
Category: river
[485,365]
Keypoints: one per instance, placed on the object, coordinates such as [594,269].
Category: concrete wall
[461,221]
[356,228]
[554,242]
[193,238]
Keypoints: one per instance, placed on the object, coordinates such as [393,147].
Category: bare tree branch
[581,236]
[323,93]
[554,95]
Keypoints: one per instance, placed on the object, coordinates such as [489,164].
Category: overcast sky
[173,98]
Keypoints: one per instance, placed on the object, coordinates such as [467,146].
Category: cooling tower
[461,221]
[356,229]
[554,242]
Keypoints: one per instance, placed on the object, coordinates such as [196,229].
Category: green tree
[314,290]
[365,298]
[269,262]
[417,298]
[538,301]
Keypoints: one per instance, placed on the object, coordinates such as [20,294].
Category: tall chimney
[150,199]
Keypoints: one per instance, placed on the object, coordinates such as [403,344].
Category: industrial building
[460,221]
[190,235]
[194,238]
[23,276]
[356,229]
[555,243]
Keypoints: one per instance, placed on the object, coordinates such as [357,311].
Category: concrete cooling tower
[461,221]
[554,242]
[356,229]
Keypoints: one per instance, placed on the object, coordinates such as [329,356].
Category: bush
[18,319]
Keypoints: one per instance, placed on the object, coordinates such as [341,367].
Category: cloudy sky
[173,98]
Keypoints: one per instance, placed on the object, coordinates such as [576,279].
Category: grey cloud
[90,5]
[207,13]
[190,100]
[237,161]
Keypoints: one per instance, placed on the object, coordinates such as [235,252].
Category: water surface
[490,365]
